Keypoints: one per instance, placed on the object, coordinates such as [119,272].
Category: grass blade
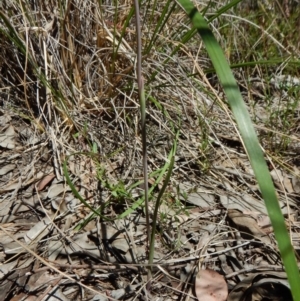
[251,143]
[169,165]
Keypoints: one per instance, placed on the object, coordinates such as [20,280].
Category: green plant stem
[143,111]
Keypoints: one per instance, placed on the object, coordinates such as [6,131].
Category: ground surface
[212,216]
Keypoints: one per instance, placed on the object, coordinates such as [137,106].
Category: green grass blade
[74,190]
[165,15]
[170,166]
[251,143]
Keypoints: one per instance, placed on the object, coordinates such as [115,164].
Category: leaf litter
[210,286]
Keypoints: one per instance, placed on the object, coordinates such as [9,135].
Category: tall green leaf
[251,143]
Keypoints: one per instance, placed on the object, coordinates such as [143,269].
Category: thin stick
[143,118]
[143,109]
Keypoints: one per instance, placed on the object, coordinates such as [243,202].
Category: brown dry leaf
[5,207]
[45,181]
[263,221]
[38,231]
[231,162]
[210,286]
[7,139]
[296,183]
[56,294]
[6,283]
[39,280]
[201,197]
[247,224]
[281,180]
[262,286]
[57,189]
[6,268]
[6,169]
[4,119]
[243,203]
[288,185]
[10,186]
